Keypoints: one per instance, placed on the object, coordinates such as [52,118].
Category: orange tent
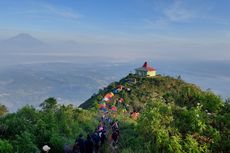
[109,95]
[135,115]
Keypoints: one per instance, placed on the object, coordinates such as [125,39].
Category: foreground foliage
[29,129]
[175,116]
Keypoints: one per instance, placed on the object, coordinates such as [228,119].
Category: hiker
[100,127]
[126,107]
[114,125]
[102,137]
[115,91]
[79,145]
[108,120]
[128,90]
[114,138]
[45,149]
[88,145]
[75,148]
[103,118]
[96,140]
[118,132]
[68,148]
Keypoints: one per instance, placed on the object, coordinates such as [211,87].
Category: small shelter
[146,71]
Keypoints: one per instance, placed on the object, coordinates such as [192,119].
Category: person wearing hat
[45,149]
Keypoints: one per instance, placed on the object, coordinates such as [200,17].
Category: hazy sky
[160,28]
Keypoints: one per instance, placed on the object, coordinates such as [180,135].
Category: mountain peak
[22,40]
[25,38]
[23,35]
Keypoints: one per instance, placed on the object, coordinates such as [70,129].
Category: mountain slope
[175,116]
[166,88]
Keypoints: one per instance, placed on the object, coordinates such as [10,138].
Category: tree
[192,146]
[49,104]
[5,146]
[212,102]
[3,109]
[24,143]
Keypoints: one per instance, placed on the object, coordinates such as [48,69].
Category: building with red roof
[146,71]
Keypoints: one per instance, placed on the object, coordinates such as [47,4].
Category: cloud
[197,12]
[159,23]
[62,12]
[228,33]
[178,12]
[48,11]
[216,20]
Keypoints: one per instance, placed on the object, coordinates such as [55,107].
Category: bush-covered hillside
[175,116]
[27,130]
[165,88]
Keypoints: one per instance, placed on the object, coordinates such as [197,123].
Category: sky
[196,29]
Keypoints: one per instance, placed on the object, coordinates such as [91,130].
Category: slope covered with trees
[27,130]
[175,116]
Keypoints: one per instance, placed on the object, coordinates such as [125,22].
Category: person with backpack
[115,125]
[102,137]
[89,145]
[100,127]
[79,145]
[96,140]
[114,138]
[74,150]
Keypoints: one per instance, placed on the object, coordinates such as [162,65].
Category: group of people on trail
[92,143]
[96,140]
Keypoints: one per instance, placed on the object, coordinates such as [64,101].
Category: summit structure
[146,71]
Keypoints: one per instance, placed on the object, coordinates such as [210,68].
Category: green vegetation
[175,116]
[27,130]
[3,110]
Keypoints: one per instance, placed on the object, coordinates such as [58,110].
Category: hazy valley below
[75,79]
[68,82]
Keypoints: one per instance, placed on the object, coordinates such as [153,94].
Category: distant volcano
[23,39]
[21,43]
